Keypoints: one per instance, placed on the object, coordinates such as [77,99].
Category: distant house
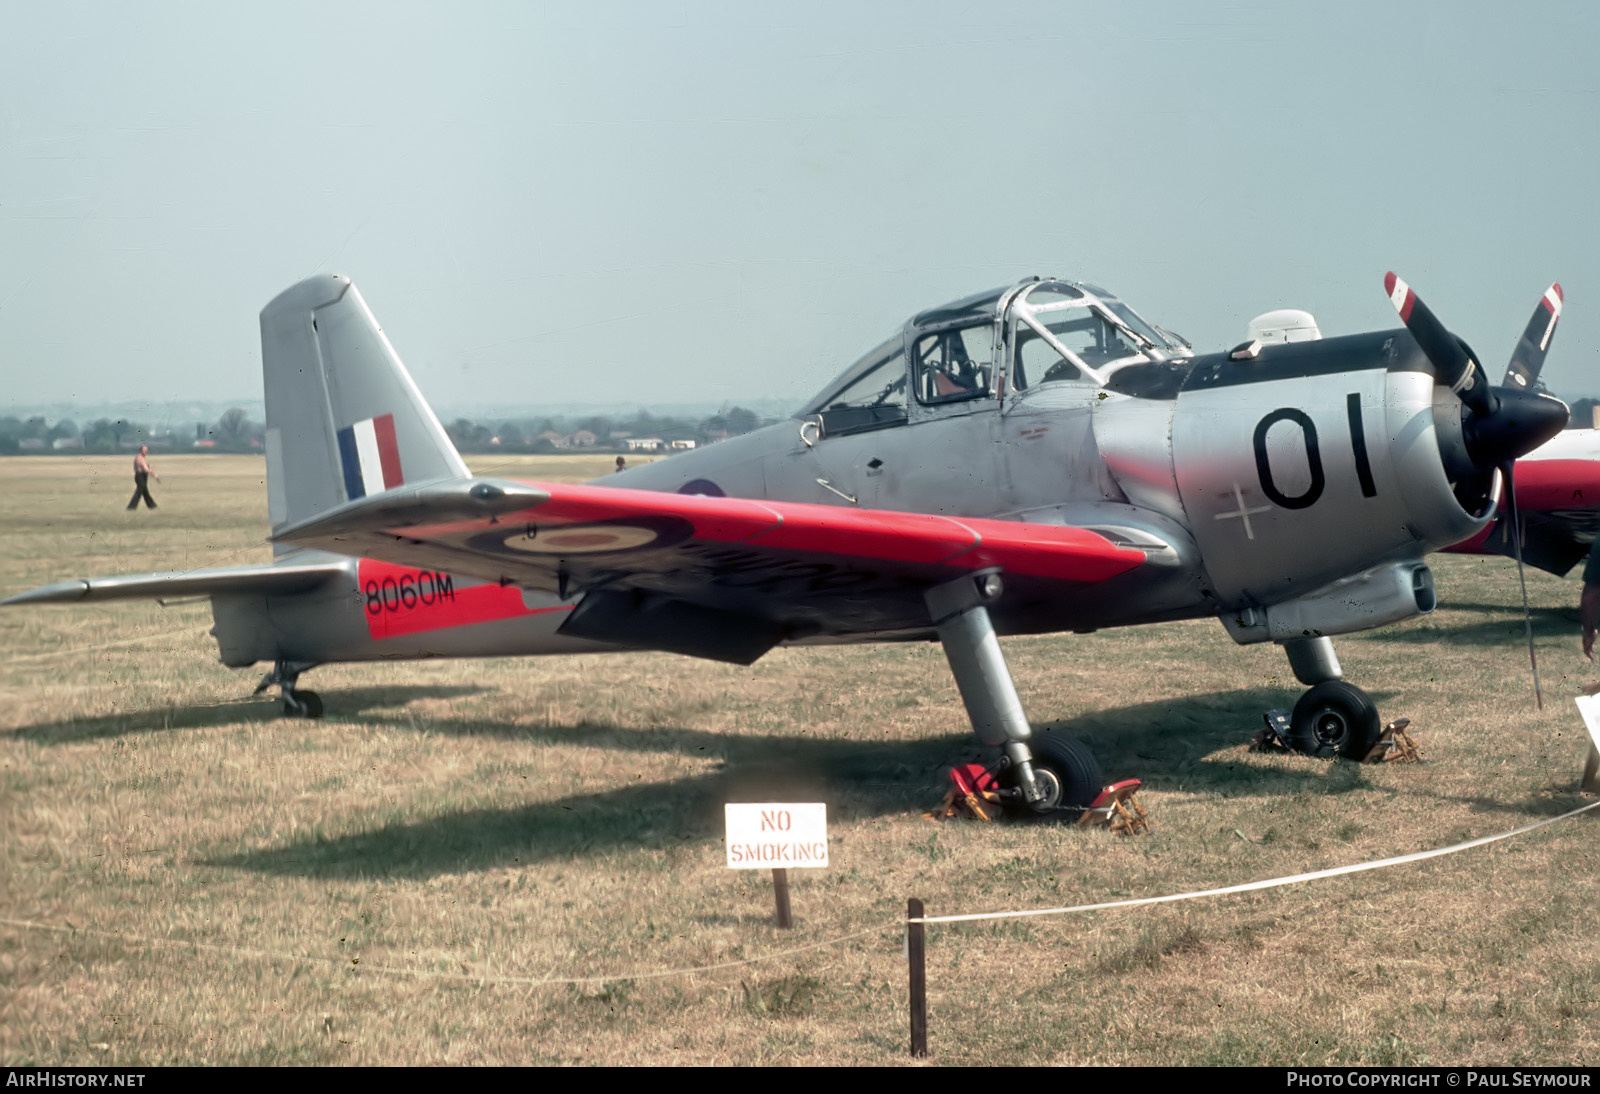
[554,439]
[31,444]
[583,439]
[643,444]
[205,442]
[682,445]
[66,442]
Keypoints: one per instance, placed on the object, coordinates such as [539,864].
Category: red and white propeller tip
[1400,295]
[1553,297]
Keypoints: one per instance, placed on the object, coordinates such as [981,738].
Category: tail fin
[344,419]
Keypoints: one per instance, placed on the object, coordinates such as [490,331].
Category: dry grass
[388,884]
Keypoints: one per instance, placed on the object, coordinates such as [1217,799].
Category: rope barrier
[1251,886]
[430,974]
[102,646]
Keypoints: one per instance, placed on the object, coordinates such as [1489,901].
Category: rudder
[344,418]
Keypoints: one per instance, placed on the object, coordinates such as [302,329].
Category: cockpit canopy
[995,344]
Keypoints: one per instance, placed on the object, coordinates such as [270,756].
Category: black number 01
[1358,444]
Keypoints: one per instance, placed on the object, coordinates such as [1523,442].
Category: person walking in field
[142,474]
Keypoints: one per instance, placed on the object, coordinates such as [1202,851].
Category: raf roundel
[704,487]
[568,540]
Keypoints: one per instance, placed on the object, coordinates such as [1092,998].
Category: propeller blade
[1455,366]
[1528,356]
[1508,474]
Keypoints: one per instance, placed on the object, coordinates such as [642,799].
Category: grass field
[472,862]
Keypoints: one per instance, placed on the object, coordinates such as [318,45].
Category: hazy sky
[687,202]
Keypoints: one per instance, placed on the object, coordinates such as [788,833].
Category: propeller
[1502,423]
[1528,358]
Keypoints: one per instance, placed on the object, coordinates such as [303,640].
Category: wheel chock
[1275,736]
[973,793]
[1394,745]
[1117,809]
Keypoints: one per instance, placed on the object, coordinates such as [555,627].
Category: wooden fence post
[915,955]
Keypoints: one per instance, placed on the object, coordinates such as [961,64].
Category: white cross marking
[1243,513]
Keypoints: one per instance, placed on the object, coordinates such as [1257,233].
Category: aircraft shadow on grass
[1499,626]
[1171,743]
[228,712]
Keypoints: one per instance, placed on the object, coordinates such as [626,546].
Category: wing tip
[57,592]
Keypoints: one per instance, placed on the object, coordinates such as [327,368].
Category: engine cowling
[1300,467]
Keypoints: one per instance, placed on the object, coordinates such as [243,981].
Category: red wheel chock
[1117,809]
[975,794]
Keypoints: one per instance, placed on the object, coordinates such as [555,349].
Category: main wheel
[1068,771]
[1335,718]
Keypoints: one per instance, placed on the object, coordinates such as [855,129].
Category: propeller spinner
[1504,422]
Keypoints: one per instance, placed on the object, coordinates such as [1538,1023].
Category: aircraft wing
[263,579]
[725,578]
[1558,498]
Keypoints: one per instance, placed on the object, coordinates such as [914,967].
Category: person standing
[1589,601]
[142,473]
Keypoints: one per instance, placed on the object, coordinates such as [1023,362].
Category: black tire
[305,704]
[1335,718]
[1069,767]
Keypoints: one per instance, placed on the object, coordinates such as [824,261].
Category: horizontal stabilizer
[435,503]
[262,580]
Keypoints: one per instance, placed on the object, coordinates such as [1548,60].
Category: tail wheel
[1335,718]
[302,704]
[1066,770]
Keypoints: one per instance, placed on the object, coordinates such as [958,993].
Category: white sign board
[776,835]
[1589,707]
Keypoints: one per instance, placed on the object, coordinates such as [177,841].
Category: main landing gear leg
[296,703]
[1334,717]
[1046,772]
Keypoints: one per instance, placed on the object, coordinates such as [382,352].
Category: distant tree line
[1582,413]
[235,432]
[640,431]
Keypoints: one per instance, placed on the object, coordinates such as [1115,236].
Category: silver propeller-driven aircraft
[1032,459]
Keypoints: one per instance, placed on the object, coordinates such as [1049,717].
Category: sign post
[779,835]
